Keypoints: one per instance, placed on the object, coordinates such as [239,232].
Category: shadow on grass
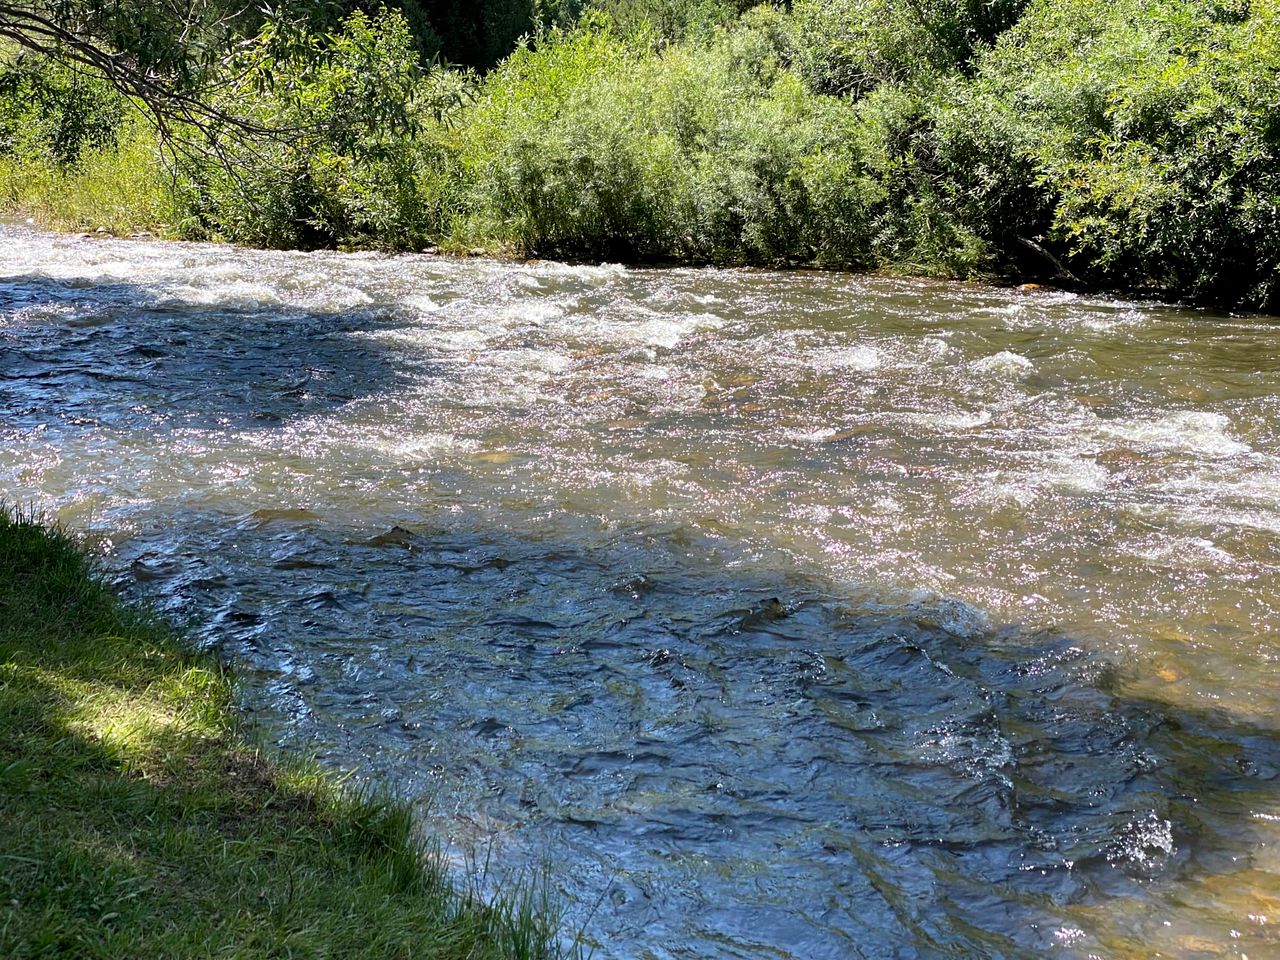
[138,823]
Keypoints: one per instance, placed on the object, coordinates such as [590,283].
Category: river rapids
[773,614]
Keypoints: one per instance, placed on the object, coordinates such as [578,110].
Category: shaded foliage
[475,34]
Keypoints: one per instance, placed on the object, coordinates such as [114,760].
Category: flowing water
[783,615]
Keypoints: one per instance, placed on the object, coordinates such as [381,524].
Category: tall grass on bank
[138,822]
[123,187]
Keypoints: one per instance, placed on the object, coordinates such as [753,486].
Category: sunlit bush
[852,46]
[587,145]
[50,112]
[1156,128]
[75,153]
[355,156]
[669,19]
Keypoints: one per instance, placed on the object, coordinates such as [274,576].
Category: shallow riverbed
[783,615]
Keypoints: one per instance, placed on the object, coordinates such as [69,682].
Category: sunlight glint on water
[510,537]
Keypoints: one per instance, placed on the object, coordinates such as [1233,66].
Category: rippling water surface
[785,615]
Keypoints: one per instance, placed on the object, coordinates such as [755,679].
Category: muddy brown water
[783,615]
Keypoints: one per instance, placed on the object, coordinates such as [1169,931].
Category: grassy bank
[138,821]
[1131,145]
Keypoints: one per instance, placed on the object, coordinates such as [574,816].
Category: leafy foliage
[1156,128]
[669,19]
[591,146]
[51,110]
[1129,144]
[852,46]
[359,163]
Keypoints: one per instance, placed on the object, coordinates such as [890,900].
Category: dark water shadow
[135,357]
[742,761]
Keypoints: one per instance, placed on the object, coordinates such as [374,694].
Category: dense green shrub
[852,46]
[51,112]
[550,158]
[591,146]
[358,157]
[1155,127]
[782,181]
[913,228]
[669,19]
[959,195]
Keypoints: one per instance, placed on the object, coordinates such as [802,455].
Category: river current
[775,614]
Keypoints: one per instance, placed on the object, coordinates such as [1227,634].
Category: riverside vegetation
[1127,144]
[138,822]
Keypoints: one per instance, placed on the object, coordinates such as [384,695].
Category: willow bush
[588,145]
[853,46]
[353,161]
[51,111]
[1155,128]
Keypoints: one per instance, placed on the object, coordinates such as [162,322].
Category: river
[774,614]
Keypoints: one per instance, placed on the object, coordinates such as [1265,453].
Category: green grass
[124,189]
[138,821]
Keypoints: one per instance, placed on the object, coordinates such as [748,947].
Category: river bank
[141,821]
[1116,147]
